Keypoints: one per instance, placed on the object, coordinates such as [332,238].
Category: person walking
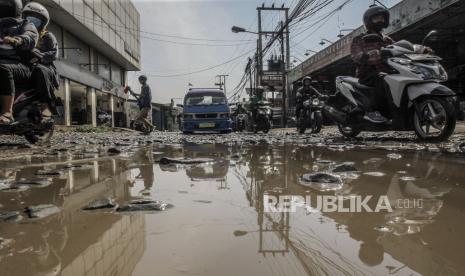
[144,101]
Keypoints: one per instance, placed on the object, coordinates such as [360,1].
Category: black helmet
[307,81]
[372,12]
[38,11]
[10,8]
[142,77]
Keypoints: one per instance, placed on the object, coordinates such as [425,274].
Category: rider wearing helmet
[18,38]
[304,93]
[368,58]
[44,74]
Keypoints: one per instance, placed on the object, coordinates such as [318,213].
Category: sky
[180,38]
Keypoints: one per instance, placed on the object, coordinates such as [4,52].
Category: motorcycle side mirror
[371,38]
[428,36]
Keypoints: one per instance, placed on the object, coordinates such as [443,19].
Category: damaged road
[140,200]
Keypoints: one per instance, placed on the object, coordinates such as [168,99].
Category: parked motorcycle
[262,120]
[28,117]
[310,116]
[422,103]
[103,118]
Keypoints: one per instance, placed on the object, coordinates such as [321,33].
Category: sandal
[6,120]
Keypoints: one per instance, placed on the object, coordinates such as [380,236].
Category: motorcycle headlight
[414,69]
[401,61]
[430,72]
[443,73]
[315,102]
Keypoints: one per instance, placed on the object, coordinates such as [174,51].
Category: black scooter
[310,116]
[262,120]
[28,117]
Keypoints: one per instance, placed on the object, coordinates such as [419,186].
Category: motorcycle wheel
[317,123]
[40,138]
[267,125]
[301,127]
[437,122]
[240,127]
[348,131]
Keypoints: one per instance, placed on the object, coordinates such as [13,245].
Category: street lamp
[324,40]
[296,60]
[308,50]
[236,29]
[340,35]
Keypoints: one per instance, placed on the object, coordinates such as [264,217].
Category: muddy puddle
[218,220]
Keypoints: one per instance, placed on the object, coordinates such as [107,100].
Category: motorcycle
[421,102]
[310,116]
[241,122]
[103,118]
[262,120]
[28,116]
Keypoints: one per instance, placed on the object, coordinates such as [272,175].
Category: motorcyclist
[369,59]
[304,93]
[18,37]
[240,109]
[255,101]
[44,74]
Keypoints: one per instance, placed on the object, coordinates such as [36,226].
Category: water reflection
[72,242]
[219,226]
[275,171]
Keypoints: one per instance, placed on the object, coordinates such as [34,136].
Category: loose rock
[143,205]
[10,216]
[375,174]
[49,173]
[103,203]
[11,187]
[394,156]
[37,183]
[345,167]
[186,161]
[322,181]
[41,211]
[114,151]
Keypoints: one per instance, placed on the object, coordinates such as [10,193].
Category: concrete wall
[111,26]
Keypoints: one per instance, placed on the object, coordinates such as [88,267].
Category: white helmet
[37,14]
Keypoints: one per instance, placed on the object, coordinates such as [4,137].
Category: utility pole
[259,49]
[283,36]
[287,88]
[248,69]
[284,72]
[222,83]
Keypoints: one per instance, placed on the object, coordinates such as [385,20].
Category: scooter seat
[360,86]
[354,82]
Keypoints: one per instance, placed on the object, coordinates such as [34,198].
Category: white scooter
[422,103]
